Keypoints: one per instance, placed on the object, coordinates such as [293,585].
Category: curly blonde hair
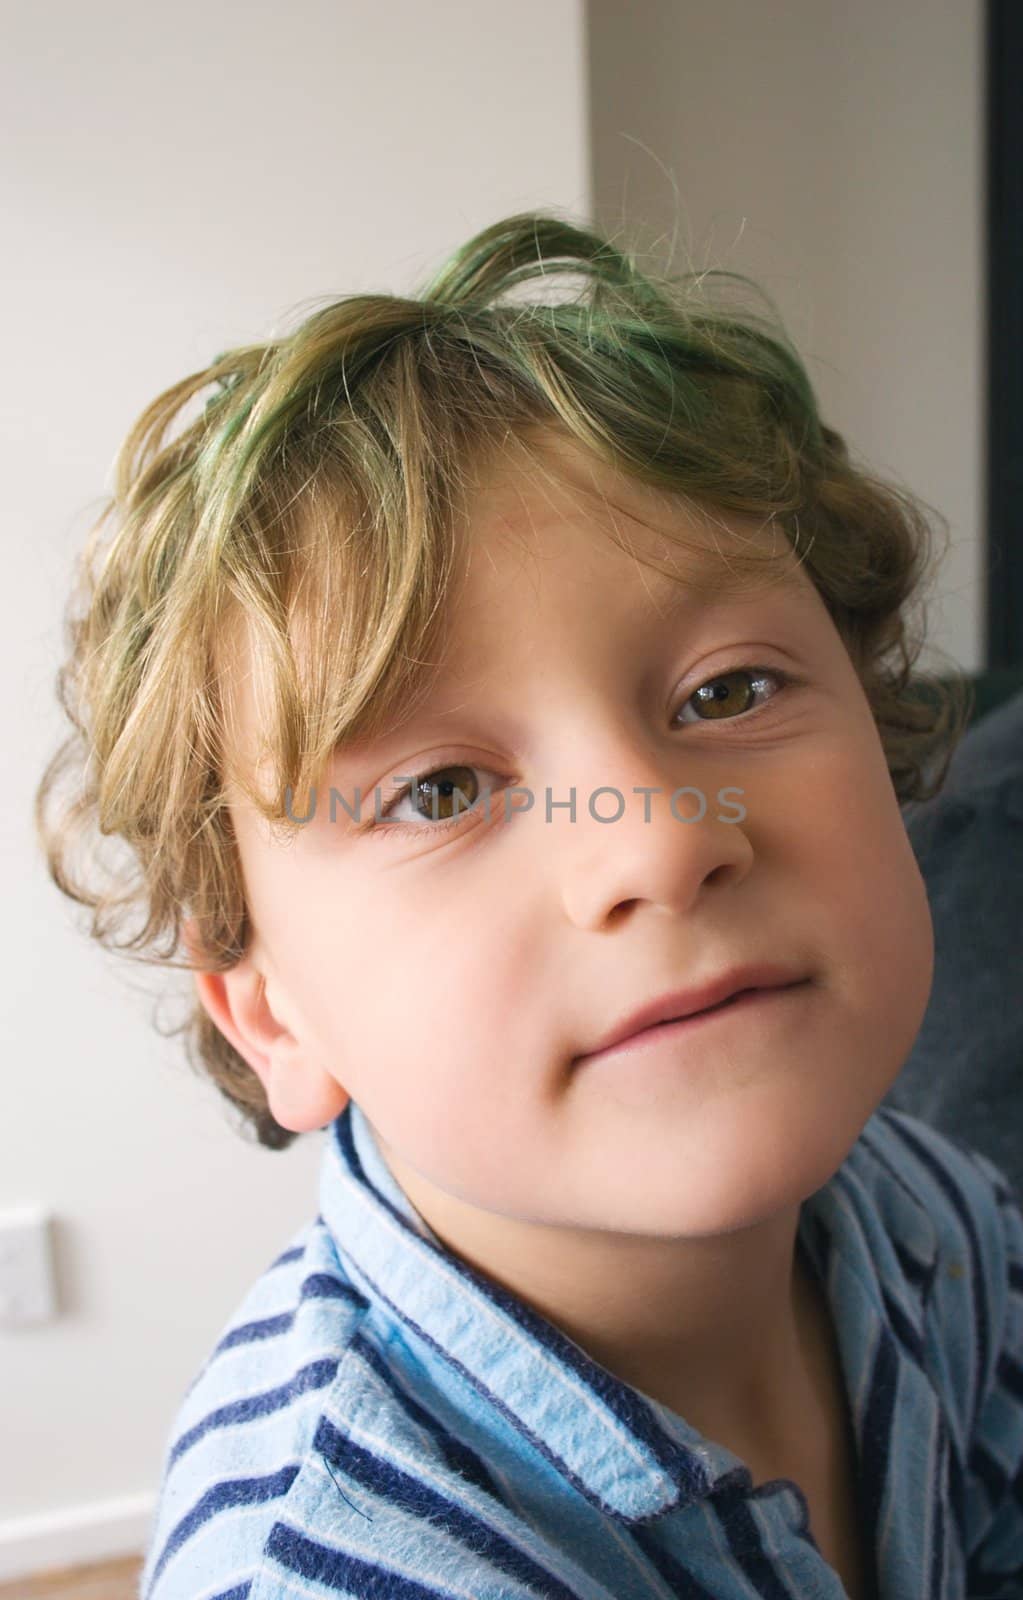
[314,499]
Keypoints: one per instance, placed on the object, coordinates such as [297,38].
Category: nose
[644,831]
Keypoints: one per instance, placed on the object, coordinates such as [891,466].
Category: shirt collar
[630,1456]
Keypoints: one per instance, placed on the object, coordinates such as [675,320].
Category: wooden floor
[111,1580]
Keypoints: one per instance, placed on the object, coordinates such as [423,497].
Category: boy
[505,693]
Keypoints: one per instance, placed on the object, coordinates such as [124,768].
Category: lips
[680,1003]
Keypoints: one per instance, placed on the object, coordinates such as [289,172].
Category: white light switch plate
[27,1286]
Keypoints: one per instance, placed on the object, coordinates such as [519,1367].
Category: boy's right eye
[447,794]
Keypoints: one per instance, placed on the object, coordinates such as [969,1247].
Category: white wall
[175,181]
[833,152]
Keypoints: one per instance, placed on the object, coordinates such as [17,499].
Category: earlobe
[301,1095]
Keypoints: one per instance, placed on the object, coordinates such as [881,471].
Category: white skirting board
[75,1535]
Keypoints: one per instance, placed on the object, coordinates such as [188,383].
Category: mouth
[742,1001]
[729,1000]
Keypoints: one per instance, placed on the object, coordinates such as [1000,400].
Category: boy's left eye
[723,701]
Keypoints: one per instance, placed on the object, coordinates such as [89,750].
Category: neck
[718,1328]
[729,1347]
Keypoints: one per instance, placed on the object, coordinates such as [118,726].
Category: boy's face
[448,980]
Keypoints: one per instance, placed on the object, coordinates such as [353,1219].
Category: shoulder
[955,1221]
[247,1422]
[949,1331]
[912,1168]
[941,1169]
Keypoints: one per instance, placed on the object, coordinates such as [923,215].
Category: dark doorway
[1004,600]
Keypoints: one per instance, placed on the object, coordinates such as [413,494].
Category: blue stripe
[670,1566]
[943,1177]
[918,1273]
[467,1463]
[903,1329]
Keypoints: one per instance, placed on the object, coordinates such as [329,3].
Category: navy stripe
[957,1491]
[315,1376]
[391,1483]
[731,1505]
[347,1573]
[937,1572]
[875,1440]
[317,1286]
[984,1467]
[1010,1375]
[291,1254]
[229,1492]
[324,1286]
[251,1332]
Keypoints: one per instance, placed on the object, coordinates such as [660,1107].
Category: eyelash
[784,680]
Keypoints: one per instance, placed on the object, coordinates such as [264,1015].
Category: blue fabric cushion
[964,1074]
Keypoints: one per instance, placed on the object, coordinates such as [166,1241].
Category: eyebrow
[459,720]
[673,593]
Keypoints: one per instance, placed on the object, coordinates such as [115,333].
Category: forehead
[572,514]
[548,534]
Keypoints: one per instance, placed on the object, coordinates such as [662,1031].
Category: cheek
[862,857]
[414,991]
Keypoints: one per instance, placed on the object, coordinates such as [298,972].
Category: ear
[254,1015]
